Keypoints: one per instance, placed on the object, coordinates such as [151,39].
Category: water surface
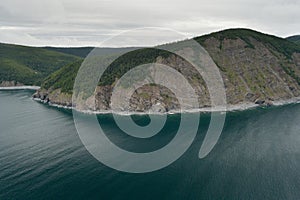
[42,157]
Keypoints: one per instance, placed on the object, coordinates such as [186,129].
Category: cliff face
[252,70]
[54,97]
[252,73]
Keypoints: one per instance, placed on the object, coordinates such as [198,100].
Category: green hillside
[64,78]
[295,38]
[30,65]
[281,45]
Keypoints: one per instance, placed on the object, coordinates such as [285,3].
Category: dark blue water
[42,157]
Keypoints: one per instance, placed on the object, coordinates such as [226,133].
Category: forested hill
[25,65]
[256,67]
[29,65]
[295,38]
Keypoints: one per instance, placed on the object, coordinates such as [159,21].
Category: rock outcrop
[10,84]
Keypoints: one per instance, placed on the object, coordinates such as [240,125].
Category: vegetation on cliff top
[281,45]
[64,78]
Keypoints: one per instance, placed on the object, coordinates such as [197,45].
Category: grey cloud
[77,22]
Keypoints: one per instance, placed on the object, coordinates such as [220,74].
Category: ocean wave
[24,87]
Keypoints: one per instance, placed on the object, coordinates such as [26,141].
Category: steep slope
[255,64]
[255,68]
[29,65]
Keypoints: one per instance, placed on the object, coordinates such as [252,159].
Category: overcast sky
[88,22]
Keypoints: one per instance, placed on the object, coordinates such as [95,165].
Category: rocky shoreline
[10,84]
[14,85]
[255,71]
[227,108]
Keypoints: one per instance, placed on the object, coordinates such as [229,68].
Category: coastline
[24,87]
[222,110]
[227,108]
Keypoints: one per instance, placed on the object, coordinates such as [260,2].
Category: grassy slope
[29,65]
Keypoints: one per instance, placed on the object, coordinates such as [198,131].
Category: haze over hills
[76,51]
[255,67]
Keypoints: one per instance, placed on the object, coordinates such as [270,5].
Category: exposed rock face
[153,98]
[54,97]
[10,84]
[259,75]
[258,71]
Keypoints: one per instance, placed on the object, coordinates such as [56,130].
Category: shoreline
[23,87]
[222,110]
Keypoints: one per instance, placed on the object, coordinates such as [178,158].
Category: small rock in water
[259,101]
[264,102]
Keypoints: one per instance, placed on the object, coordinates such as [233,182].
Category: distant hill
[295,38]
[30,65]
[80,51]
[256,67]
[84,51]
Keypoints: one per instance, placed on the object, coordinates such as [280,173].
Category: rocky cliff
[256,68]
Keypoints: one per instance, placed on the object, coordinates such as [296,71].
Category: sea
[42,156]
